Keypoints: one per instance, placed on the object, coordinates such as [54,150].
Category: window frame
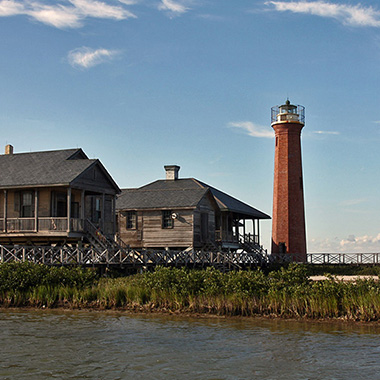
[167,220]
[27,208]
[131,220]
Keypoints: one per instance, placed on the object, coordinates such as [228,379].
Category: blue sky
[144,83]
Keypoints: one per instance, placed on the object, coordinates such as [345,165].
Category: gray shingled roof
[169,198]
[42,168]
[182,193]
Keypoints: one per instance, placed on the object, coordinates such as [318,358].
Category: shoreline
[148,311]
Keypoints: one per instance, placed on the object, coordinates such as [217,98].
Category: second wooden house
[186,213]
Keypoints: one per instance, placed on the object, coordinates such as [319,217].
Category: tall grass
[284,293]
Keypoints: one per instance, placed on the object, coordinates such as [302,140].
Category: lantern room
[288,113]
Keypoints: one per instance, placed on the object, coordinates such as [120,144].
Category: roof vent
[8,149]
[171,172]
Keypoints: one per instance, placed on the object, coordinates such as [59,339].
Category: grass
[286,292]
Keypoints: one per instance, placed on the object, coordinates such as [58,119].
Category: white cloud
[363,244]
[58,16]
[99,9]
[11,8]
[128,2]
[173,7]
[252,129]
[354,15]
[86,57]
[350,244]
[326,132]
[66,14]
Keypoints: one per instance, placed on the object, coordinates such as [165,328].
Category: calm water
[96,345]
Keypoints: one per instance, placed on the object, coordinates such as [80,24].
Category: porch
[53,225]
[56,212]
[237,232]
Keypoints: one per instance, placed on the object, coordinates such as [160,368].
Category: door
[204,227]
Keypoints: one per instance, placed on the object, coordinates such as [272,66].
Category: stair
[249,245]
[210,246]
[102,242]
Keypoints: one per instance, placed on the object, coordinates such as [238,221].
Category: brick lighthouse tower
[288,223]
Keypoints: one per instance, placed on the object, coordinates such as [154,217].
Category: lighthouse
[288,221]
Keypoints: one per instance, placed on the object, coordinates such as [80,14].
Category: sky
[141,84]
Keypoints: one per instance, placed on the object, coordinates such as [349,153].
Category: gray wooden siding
[149,228]
[206,207]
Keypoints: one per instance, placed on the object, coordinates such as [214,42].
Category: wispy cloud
[353,202]
[174,7]
[99,9]
[66,14]
[58,16]
[252,129]
[326,132]
[86,57]
[353,15]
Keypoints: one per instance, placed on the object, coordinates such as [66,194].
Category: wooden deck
[128,257]
[67,255]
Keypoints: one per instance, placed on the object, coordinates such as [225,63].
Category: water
[109,345]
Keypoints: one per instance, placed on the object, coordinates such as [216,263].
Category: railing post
[5,211]
[68,209]
[35,210]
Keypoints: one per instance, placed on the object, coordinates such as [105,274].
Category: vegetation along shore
[284,292]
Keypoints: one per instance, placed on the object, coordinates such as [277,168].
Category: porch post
[68,209]
[258,231]
[82,206]
[35,210]
[244,230]
[5,210]
[221,227]
[114,215]
[254,229]
[103,209]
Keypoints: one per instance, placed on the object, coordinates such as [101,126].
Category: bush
[24,276]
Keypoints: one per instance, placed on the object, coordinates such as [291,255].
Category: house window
[98,212]
[167,220]
[27,204]
[131,222]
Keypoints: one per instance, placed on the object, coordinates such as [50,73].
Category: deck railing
[68,255]
[20,224]
[45,224]
[227,237]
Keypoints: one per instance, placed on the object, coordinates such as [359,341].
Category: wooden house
[185,213]
[54,197]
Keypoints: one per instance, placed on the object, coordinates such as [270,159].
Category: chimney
[8,149]
[171,172]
